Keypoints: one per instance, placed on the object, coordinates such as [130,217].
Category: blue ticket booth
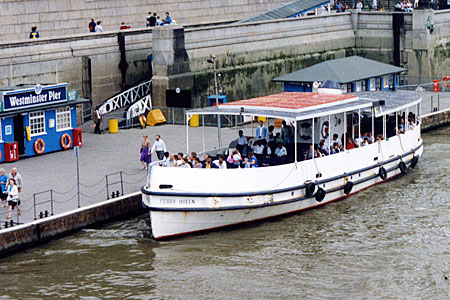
[36,120]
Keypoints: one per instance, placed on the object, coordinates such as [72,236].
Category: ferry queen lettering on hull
[186,200]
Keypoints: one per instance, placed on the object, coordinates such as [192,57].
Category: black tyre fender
[320,194]
[382,173]
[403,168]
[310,188]
[348,187]
[414,162]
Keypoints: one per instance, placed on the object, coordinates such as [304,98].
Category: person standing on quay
[97,120]
[159,147]
[92,25]
[13,197]
[153,20]
[3,182]
[146,152]
[17,178]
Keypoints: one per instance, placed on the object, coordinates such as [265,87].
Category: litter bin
[194,121]
[113,125]
[264,119]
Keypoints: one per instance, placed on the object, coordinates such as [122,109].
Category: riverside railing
[46,203]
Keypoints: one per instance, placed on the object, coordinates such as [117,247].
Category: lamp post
[212,60]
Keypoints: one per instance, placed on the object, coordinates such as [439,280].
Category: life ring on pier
[320,194]
[39,146]
[66,141]
[446,81]
[348,187]
[382,173]
[403,167]
[0,154]
[310,188]
[413,164]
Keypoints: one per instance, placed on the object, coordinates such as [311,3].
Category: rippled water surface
[391,241]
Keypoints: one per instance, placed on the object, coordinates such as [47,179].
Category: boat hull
[174,214]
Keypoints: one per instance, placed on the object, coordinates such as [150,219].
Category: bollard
[46,213]
[6,224]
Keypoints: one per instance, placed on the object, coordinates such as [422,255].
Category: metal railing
[45,203]
[127,97]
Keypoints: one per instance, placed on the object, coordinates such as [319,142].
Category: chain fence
[44,204]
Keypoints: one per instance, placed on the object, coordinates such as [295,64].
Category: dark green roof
[342,70]
[288,11]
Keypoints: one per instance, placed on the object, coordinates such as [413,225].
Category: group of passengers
[234,160]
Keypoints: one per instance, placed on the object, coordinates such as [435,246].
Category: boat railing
[149,173]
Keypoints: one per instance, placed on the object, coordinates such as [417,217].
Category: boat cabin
[315,124]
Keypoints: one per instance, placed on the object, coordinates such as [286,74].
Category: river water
[391,241]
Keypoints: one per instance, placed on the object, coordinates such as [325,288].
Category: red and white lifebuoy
[39,146]
[66,141]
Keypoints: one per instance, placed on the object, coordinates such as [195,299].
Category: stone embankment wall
[249,55]
[68,17]
[40,231]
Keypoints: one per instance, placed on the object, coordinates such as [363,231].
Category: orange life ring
[66,141]
[0,154]
[39,146]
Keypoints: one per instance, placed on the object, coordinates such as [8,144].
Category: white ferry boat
[187,200]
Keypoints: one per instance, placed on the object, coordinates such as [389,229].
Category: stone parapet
[66,17]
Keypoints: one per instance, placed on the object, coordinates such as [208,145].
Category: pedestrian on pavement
[3,182]
[17,178]
[168,19]
[34,34]
[124,26]
[147,19]
[13,197]
[146,152]
[92,25]
[159,147]
[153,20]
[99,27]
[98,118]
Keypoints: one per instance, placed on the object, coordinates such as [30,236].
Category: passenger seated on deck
[379,138]
[358,142]
[246,163]
[179,159]
[335,149]
[209,164]
[252,160]
[350,143]
[165,159]
[197,163]
[236,158]
[220,163]
[411,124]
[336,139]
[278,138]
[370,138]
[171,162]
[323,147]
[317,153]
[191,158]
[400,129]
[309,153]
[280,151]
[185,163]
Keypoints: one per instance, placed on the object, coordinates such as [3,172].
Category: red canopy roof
[292,101]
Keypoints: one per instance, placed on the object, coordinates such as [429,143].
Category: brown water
[391,241]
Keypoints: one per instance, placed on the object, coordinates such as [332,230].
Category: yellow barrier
[155,117]
[194,121]
[113,125]
[264,119]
